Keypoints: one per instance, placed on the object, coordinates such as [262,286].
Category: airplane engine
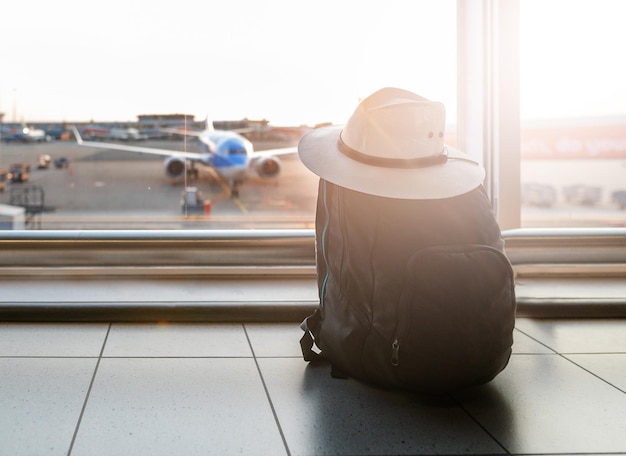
[174,167]
[267,167]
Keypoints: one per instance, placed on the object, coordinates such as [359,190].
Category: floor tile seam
[480,425]
[575,353]
[534,354]
[47,357]
[278,356]
[151,357]
[267,392]
[589,353]
[88,393]
[586,353]
[565,357]
[594,374]
[599,453]
[586,453]
[177,357]
[34,357]
[536,340]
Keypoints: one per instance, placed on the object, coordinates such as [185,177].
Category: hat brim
[319,152]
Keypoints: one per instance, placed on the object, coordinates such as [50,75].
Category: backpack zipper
[395,349]
[402,317]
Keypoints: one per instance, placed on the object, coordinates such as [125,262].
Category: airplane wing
[274,152]
[135,149]
[181,132]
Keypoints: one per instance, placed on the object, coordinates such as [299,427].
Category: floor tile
[51,339]
[277,340]
[40,403]
[524,344]
[546,404]
[177,339]
[320,415]
[577,335]
[183,406]
[609,367]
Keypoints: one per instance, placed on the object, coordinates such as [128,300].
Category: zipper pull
[395,348]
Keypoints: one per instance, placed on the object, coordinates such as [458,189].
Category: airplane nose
[235,151]
[237,156]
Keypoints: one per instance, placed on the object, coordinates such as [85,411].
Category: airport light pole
[14,105]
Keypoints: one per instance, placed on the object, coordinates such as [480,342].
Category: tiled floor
[186,389]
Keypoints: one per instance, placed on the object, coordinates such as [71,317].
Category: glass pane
[140,73]
[573,107]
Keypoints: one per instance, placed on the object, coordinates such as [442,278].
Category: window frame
[269,275]
[488,99]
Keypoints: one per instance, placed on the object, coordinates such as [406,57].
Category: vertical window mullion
[488,124]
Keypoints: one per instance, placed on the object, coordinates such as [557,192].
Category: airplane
[227,152]
[23,133]
[32,134]
[116,133]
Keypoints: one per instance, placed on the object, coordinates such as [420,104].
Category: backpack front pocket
[455,318]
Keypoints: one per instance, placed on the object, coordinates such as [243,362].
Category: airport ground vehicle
[585,195]
[193,201]
[19,172]
[619,198]
[61,162]
[535,194]
[43,162]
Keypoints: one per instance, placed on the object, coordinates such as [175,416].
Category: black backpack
[449,319]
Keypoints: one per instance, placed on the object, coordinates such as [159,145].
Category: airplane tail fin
[209,124]
[77,136]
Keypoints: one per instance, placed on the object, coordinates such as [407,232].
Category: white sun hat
[392,146]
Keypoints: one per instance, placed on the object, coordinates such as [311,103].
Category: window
[573,112]
[552,68]
[133,75]
[262,68]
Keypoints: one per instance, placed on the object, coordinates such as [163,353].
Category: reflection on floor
[141,389]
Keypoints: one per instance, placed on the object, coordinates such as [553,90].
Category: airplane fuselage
[227,152]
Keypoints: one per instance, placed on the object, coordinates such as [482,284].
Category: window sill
[264,275]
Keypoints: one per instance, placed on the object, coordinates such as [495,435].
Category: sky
[289,61]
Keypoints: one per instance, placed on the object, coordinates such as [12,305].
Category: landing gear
[234,187]
[192,171]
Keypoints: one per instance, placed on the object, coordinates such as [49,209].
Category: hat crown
[392,146]
[396,124]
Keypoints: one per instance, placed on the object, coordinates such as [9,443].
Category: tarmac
[108,189]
